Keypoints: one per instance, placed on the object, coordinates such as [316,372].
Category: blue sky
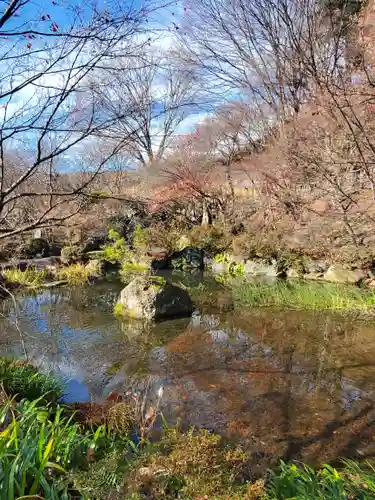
[40,14]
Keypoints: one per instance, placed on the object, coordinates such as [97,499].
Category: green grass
[38,446]
[74,274]
[28,277]
[299,295]
[353,481]
[23,380]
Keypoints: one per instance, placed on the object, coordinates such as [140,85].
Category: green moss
[158,280]
[134,267]
[118,309]
[191,465]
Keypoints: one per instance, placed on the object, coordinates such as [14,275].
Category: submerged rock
[339,274]
[153,298]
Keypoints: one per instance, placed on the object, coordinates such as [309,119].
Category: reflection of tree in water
[261,386]
[284,379]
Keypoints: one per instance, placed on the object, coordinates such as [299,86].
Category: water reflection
[287,384]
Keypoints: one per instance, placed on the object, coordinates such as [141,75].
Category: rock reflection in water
[287,384]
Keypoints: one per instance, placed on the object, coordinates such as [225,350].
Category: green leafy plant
[326,483]
[29,277]
[221,258]
[37,447]
[75,274]
[116,251]
[140,240]
[72,253]
[236,269]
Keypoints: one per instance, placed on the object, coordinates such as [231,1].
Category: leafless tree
[48,108]
[158,96]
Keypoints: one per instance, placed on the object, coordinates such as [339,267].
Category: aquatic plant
[75,274]
[29,277]
[302,295]
[21,379]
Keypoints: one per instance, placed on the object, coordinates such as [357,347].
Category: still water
[295,385]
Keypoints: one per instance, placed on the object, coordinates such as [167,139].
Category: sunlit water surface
[296,385]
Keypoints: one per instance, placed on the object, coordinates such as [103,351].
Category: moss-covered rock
[153,298]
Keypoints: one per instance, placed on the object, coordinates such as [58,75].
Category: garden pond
[286,384]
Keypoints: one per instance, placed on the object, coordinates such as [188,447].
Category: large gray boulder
[339,274]
[261,268]
[153,298]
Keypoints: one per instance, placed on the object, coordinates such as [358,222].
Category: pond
[286,384]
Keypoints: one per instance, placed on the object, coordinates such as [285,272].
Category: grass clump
[20,379]
[29,277]
[38,445]
[299,295]
[75,274]
[326,483]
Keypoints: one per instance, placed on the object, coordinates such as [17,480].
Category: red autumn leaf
[185,9]
[114,396]
[28,45]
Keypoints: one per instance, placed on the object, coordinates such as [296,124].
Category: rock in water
[153,298]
